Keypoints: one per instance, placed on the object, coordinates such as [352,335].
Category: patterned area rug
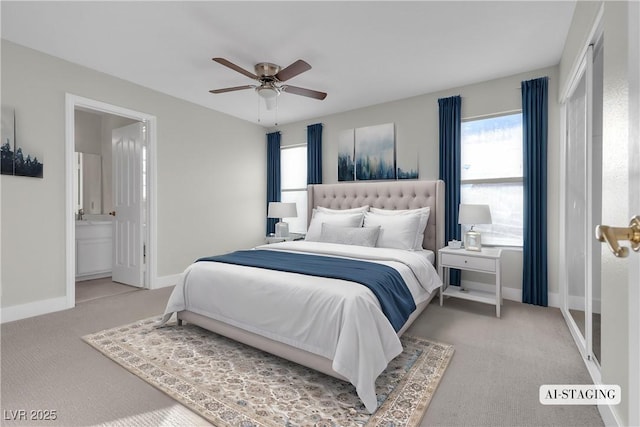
[232,384]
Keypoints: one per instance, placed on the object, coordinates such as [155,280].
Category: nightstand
[273,239]
[290,237]
[485,261]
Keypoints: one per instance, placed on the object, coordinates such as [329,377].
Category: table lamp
[282,210]
[473,215]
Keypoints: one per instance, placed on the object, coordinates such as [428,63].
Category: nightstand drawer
[468,262]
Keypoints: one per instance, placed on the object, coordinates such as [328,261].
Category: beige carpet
[493,380]
[231,384]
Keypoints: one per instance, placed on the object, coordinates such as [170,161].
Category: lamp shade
[474,214]
[282,210]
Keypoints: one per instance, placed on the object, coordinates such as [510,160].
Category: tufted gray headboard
[386,195]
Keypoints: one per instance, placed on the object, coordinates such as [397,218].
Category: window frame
[303,189]
[505,180]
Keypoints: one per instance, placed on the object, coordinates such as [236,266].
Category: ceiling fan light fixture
[270,78]
[269,94]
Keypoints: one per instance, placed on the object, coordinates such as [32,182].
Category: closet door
[583,205]
[576,205]
[598,163]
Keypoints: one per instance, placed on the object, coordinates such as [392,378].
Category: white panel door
[634,209]
[621,201]
[128,246]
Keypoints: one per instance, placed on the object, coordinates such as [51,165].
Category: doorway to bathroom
[110,154]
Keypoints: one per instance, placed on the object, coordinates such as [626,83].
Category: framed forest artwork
[16,159]
[375,152]
[346,156]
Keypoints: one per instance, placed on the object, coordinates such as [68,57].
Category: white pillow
[342,211]
[346,220]
[424,218]
[396,231]
[359,236]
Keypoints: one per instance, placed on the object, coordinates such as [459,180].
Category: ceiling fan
[270,77]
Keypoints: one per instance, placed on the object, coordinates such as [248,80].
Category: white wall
[211,174]
[416,124]
[88,135]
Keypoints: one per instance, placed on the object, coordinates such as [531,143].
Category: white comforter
[337,319]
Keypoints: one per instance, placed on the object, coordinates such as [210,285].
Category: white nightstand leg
[498,289]
[441,274]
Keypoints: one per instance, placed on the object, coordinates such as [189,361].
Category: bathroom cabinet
[94,249]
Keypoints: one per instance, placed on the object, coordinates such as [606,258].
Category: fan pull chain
[258,108]
[276,123]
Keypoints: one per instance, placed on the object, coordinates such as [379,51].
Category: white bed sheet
[336,319]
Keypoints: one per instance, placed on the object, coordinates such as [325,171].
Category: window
[293,184]
[491,173]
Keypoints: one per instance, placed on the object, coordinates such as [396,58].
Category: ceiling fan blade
[235,67]
[231,89]
[293,70]
[304,92]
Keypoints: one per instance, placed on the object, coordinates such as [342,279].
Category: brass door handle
[612,235]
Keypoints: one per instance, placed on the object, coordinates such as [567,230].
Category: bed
[332,325]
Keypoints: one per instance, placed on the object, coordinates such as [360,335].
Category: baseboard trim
[165,281]
[578,303]
[36,308]
[609,417]
[553,300]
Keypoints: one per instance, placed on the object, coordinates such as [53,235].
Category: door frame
[72,102]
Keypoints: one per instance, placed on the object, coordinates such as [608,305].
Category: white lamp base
[282,229]
[472,241]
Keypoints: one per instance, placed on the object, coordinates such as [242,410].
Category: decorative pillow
[359,236]
[346,220]
[424,218]
[343,211]
[396,231]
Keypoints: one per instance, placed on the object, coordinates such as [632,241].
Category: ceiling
[362,53]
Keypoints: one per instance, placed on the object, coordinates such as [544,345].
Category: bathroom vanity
[94,248]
